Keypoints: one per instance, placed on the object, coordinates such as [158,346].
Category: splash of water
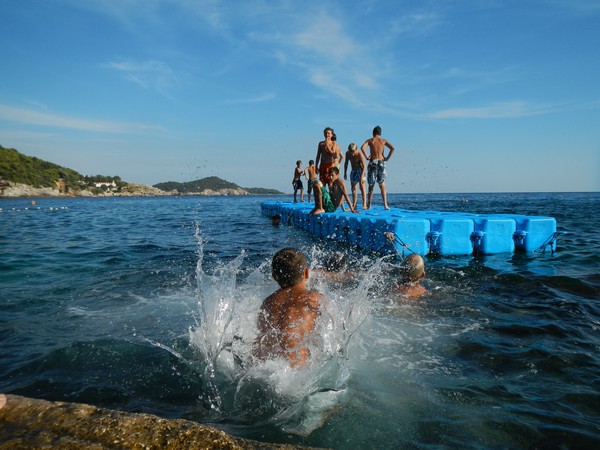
[235,384]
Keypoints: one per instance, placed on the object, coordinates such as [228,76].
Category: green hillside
[213,183]
[19,168]
[263,191]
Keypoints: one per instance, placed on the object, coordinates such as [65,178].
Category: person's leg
[362,192]
[354,194]
[370,197]
[371,177]
[384,195]
[318,209]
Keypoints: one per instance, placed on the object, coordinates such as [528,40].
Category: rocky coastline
[32,424]
[9,189]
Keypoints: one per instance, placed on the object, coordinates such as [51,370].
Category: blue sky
[476,95]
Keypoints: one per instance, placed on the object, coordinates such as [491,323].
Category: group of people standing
[323,174]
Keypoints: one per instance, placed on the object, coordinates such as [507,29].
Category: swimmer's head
[289,267]
[412,268]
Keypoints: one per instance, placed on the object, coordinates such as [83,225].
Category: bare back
[286,318]
[412,290]
[376,147]
[310,173]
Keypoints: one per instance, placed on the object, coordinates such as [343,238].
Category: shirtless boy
[376,170]
[288,316]
[330,201]
[311,177]
[357,174]
[413,270]
[297,181]
[328,155]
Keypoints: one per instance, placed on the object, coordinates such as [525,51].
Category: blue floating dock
[403,231]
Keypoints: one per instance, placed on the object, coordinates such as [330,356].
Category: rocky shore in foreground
[17,190]
[27,423]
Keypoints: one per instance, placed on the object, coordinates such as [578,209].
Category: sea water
[150,305]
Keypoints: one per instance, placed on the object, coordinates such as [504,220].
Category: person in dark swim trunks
[297,182]
[311,177]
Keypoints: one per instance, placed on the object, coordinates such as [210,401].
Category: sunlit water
[150,305]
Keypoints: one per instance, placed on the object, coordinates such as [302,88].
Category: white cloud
[585,7]
[325,38]
[151,75]
[259,99]
[32,117]
[494,111]
[416,23]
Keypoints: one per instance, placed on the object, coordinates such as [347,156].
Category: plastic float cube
[450,234]
[493,234]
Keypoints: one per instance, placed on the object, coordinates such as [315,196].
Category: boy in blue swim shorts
[357,174]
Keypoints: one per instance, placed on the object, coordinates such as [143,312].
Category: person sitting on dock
[288,316]
[330,201]
[412,271]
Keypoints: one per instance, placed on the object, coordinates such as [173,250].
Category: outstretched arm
[344,196]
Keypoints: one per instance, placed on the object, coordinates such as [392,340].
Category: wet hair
[328,128]
[413,268]
[311,162]
[288,267]
[334,169]
[352,147]
[298,162]
[377,131]
[333,137]
[335,263]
